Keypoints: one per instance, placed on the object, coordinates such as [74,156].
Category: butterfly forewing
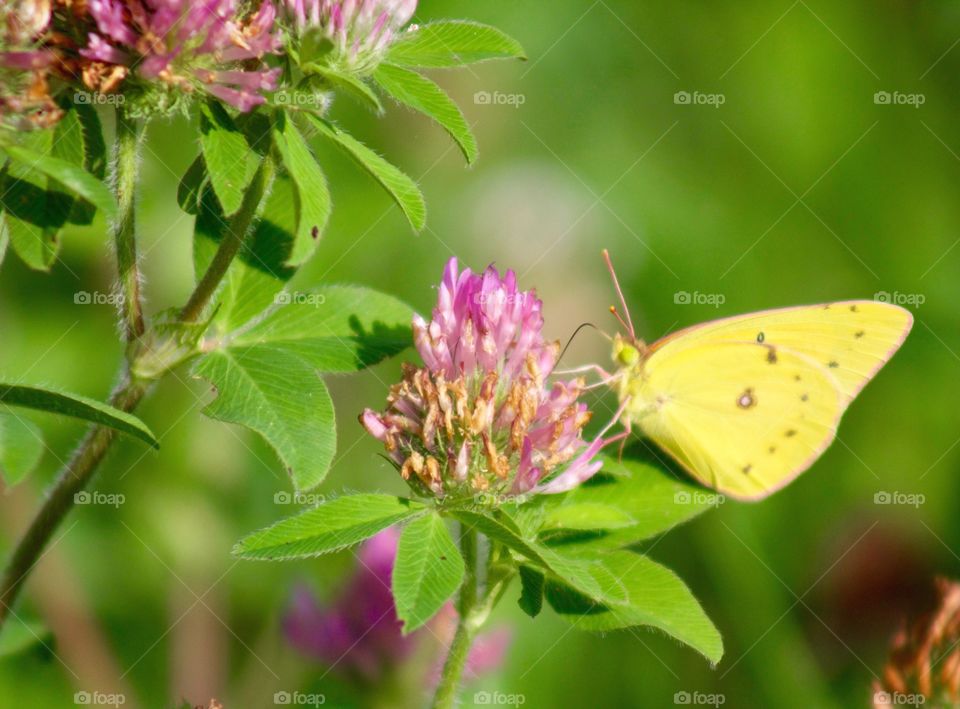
[740,417]
[851,338]
[747,403]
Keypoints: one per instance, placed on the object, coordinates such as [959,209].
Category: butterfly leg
[595,368]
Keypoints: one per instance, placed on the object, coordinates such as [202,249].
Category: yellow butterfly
[749,402]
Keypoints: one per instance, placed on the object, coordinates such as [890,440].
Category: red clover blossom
[480,415]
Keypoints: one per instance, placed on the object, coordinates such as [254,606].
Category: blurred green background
[799,188]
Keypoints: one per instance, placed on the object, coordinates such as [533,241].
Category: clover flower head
[212,45]
[361,31]
[480,416]
[25,100]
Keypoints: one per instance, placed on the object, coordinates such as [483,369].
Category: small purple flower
[480,416]
[360,30]
[359,634]
[189,44]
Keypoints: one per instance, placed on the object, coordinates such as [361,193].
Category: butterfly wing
[854,339]
[748,403]
[737,421]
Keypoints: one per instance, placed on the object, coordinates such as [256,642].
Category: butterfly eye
[627,355]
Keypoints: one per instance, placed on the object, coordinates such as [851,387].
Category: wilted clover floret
[480,415]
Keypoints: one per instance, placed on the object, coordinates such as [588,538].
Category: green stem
[126,166]
[72,478]
[233,239]
[446,695]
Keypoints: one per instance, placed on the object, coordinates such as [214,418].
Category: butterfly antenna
[575,333]
[616,284]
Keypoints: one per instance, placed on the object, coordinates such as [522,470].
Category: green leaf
[331,526]
[280,396]
[74,178]
[259,271]
[34,216]
[21,447]
[313,197]
[423,95]
[335,328]
[640,592]
[94,158]
[76,406]
[20,635]
[531,593]
[353,86]
[4,232]
[192,185]
[230,162]
[631,501]
[428,570]
[401,187]
[453,43]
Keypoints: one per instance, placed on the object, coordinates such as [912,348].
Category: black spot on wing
[833,364]
[760,337]
[790,432]
[859,334]
[747,468]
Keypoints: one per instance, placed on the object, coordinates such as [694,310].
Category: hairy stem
[233,239]
[126,166]
[446,695]
[72,478]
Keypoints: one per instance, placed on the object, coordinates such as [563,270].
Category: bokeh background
[799,187]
